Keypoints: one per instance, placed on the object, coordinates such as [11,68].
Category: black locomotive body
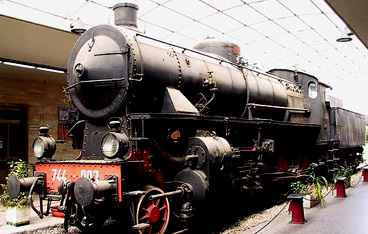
[163,128]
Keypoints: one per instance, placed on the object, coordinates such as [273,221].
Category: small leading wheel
[155,212]
[84,222]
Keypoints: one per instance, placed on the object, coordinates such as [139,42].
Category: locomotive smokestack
[125,14]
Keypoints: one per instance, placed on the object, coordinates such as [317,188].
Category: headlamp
[115,143]
[44,146]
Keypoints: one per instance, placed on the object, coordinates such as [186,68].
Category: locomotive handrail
[94,81]
[214,57]
[277,107]
[124,51]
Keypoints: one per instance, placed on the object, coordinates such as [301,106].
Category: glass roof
[291,34]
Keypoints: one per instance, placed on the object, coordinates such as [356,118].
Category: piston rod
[185,190]
[168,194]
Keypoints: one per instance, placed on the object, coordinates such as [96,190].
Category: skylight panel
[265,45]
[359,44]
[272,9]
[323,6]
[198,31]
[298,7]
[197,9]
[343,63]
[278,54]
[332,55]
[308,36]
[223,5]
[166,18]
[292,24]
[287,40]
[222,22]
[350,51]
[346,48]
[278,49]
[337,21]
[247,35]
[270,55]
[332,34]
[28,14]
[253,1]
[321,24]
[306,51]
[184,41]
[253,53]
[293,44]
[321,46]
[161,2]
[299,61]
[61,8]
[153,31]
[110,3]
[315,56]
[268,28]
[93,14]
[246,15]
[144,5]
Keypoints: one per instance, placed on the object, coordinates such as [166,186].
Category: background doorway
[13,137]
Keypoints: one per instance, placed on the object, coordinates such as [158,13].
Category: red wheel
[155,212]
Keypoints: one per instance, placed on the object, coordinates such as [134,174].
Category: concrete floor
[35,223]
[341,216]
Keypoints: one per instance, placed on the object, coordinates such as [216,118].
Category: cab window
[312,89]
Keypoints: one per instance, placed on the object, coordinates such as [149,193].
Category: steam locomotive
[161,129]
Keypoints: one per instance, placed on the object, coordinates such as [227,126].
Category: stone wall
[41,93]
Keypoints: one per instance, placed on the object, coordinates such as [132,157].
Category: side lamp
[44,146]
[115,143]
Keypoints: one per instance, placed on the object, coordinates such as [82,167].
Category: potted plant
[17,209]
[312,190]
[300,188]
[344,172]
[316,184]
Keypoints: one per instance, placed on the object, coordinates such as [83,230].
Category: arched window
[312,89]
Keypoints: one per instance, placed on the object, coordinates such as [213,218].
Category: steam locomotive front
[133,142]
[98,72]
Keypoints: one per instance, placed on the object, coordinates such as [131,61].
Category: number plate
[59,172]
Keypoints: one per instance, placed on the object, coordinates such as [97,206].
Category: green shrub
[298,187]
[20,169]
[345,172]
